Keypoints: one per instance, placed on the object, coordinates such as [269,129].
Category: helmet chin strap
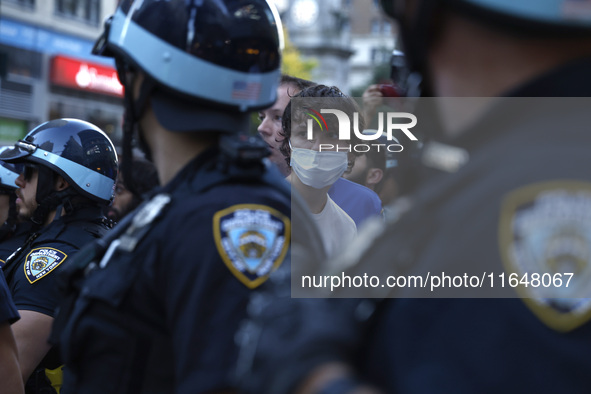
[49,199]
[56,200]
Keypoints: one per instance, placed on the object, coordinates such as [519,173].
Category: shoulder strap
[11,264]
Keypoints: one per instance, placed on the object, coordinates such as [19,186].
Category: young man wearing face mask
[314,171]
[358,202]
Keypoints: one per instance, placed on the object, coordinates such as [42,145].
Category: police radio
[244,149]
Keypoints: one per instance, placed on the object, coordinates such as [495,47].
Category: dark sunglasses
[29,171]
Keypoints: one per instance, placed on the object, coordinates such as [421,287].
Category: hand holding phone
[389,90]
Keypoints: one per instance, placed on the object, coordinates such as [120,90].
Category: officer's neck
[171,151]
[51,217]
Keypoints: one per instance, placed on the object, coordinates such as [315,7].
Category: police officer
[70,167]
[502,190]
[10,374]
[13,231]
[155,306]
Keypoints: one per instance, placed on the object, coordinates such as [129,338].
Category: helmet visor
[100,47]
[21,150]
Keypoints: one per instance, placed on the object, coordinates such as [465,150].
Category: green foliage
[292,62]
[254,123]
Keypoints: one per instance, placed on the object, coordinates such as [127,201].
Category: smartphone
[389,90]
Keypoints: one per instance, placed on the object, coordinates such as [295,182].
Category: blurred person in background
[129,196]
[370,166]
[270,118]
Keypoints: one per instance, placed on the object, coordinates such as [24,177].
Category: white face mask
[318,169]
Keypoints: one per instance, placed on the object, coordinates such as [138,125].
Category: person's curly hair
[340,101]
[298,84]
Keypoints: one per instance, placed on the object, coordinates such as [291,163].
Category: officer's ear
[374,176]
[61,183]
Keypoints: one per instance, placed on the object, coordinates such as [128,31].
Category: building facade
[318,28]
[47,68]
[372,40]
[348,38]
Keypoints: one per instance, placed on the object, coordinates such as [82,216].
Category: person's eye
[278,118]
[300,132]
[333,136]
[261,117]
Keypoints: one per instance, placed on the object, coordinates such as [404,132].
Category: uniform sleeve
[34,287]
[8,312]
[205,304]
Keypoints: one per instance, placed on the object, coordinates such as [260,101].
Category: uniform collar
[205,159]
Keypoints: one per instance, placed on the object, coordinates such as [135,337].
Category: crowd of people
[172,271]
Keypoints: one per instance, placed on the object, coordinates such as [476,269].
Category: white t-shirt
[337,229]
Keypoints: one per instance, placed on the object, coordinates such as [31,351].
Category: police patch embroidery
[545,229]
[252,241]
[42,261]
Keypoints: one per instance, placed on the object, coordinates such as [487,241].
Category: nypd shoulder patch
[42,261]
[252,240]
[545,234]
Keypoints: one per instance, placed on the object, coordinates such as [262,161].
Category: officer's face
[26,201]
[270,126]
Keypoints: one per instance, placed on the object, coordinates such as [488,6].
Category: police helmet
[77,150]
[8,173]
[221,54]
[542,18]
[562,14]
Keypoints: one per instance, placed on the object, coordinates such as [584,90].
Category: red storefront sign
[82,75]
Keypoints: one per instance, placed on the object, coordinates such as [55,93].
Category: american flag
[246,90]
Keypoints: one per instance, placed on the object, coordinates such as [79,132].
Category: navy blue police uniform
[158,308]
[31,271]
[519,170]
[32,274]
[14,240]
[8,311]
[155,306]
